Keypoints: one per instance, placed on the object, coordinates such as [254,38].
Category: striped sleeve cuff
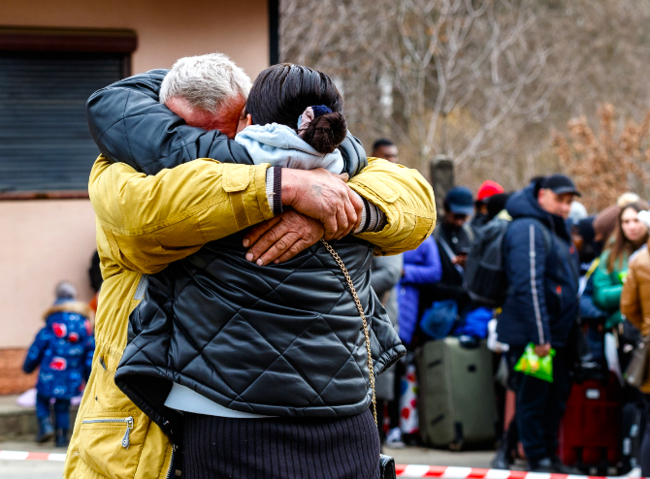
[274,189]
[372,217]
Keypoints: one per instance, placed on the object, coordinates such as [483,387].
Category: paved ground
[54,470]
[30,469]
[438,457]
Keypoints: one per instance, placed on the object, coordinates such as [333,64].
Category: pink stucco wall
[41,243]
[167,29]
[44,241]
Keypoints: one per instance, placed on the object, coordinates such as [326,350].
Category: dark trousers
[644,454]
[387,412]
[391,407]
[61,410]
[541,406]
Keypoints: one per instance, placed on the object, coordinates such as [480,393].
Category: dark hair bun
[326,132]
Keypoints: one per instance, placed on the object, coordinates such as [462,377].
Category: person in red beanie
[486,190]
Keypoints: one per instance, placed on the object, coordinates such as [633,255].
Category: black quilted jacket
[283,340]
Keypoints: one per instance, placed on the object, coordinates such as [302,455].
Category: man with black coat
[541,307]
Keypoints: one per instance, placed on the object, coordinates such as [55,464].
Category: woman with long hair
[635,305]
[630,235]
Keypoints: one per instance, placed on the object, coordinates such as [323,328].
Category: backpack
[485,274]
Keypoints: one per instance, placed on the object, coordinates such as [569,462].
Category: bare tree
[481,81]
[607,162]
[441,75]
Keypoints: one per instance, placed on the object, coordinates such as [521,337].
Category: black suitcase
[633,421]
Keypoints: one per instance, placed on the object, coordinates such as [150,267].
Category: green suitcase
[456,402]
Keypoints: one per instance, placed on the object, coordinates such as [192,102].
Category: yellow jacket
[144,223]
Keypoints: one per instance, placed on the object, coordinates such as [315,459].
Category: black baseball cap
[560,185]
[459,201]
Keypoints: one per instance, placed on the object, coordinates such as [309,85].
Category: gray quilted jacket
[282,340]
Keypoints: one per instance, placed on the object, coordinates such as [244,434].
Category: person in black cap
[541,307]
[453,237]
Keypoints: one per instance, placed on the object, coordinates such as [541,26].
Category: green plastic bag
[532,365]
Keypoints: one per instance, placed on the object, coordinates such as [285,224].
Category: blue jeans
[541,406]
[61,411]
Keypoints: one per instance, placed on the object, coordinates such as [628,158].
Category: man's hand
[460,260]
[543,350]
[323,196]
[281,238]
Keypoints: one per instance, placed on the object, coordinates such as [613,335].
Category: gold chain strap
[371,368]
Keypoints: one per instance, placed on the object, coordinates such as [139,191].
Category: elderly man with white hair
[208,92]
[165,207]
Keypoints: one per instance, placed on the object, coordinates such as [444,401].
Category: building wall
[167,29]
[45,241]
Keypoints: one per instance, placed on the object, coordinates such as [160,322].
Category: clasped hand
[317,204]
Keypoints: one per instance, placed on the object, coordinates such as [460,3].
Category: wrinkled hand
[543,350]
[323,196]
[281,238]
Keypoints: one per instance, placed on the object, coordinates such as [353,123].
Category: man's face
[559,205]
[455,220]
[226,119]
[387,152]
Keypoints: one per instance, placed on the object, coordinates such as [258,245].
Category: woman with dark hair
[281,94]
[264,370]
[300,129]
[609,277]
[635,305]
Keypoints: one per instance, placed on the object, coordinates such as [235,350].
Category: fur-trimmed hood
[70,307]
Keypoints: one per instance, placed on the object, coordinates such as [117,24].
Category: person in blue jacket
[421,267]
[541,307]
[64,350]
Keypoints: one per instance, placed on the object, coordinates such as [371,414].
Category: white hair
[208,82]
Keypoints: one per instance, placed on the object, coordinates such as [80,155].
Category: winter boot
[560,468]
[394,438]
[541,465]
[503,458]
[45,430]
[62,438]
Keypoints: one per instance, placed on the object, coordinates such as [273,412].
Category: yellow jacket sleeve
[147,222]
[406,199]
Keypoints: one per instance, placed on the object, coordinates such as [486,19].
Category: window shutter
[44,140]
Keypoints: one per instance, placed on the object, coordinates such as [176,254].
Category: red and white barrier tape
[411,470]
[30,456]
[472,473]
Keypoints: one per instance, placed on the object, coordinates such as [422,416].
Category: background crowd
[573,285]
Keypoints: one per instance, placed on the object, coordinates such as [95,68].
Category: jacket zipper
[171,462]
[126,442]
